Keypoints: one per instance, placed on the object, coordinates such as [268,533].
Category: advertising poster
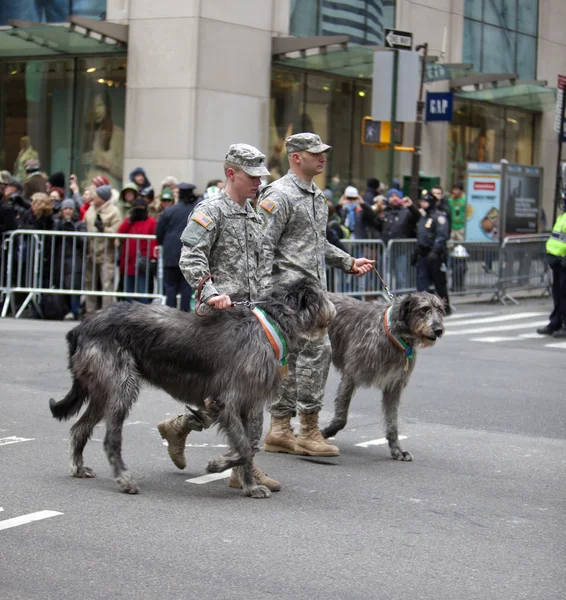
[522,199]
[483,209]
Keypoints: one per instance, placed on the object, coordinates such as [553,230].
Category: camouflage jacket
[296,216]
[224,240]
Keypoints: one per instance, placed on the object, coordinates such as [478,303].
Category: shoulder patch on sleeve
[267,205]
[201,219]
[441,220]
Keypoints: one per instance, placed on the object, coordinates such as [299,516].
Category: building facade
[169,86]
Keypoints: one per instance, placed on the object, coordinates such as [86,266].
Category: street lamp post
[416,160]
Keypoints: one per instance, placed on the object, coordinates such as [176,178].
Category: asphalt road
[479,513]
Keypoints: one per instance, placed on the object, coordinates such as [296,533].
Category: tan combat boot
[175,431]
[310,440]
[260,477]
[280,437]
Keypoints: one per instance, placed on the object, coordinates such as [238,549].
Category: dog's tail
[73,401]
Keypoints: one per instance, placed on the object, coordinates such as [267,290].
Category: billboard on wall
[50,11]
[522,196]
[502,199]
[483,202]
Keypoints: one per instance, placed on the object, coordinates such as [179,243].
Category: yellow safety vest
[556,244]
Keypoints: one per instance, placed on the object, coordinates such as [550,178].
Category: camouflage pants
[197,421]
[303,388]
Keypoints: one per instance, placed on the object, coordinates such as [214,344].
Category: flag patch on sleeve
[267,205]
[202,219]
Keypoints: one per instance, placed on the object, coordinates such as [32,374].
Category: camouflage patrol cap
[306,142]
[249,158]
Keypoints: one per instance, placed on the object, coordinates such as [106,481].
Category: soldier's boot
[175,432]
[280,437]
[260,478]
[310,440]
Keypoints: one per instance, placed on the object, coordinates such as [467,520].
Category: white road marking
[497,328]
[201,445]
[14,440]
[1,509]
[500,318]
[377,442]
[36,516]
[532,336]
[493,340]
[211,477]
[556,345]
[454,316]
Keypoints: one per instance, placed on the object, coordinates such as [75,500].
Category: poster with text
[522,199]
[483,208]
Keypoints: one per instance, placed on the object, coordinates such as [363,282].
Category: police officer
[296,216]
[431,254]
[556,258]
[223,240]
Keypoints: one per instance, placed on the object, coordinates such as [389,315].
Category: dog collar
[397,340]
[274,335]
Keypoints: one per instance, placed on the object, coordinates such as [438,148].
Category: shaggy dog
[366,355]
[223,358]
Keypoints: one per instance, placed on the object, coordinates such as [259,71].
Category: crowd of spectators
[108,264]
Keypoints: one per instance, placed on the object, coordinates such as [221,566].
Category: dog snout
[438,331]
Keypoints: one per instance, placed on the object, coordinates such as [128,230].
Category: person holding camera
[431,254]
[356,215]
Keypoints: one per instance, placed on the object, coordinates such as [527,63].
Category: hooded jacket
[138,171]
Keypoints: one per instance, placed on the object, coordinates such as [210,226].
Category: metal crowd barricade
[473,267]
[401,276]
[78,264]
[523,266]
[367,286]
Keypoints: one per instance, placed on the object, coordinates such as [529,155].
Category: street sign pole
[417,143]
[391,170]
[559,182]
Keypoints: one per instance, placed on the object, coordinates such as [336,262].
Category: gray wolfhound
[374,345]
[222,362]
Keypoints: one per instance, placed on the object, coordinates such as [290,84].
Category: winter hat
[99,180]
[394,191]
[186,191]
[139,202]
[31,165]
[104,192]
[57,179]
[147,192]
[373,183]
[351,192]
[167,194]
[68,203]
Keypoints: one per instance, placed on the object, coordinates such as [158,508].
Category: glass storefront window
[68,114]
[50,11]
[483,132]
[472,43]
[36,100]
[99,135]
[502,13]
[527,16]
[498,48]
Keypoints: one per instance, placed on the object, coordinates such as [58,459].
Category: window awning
[527,95]
[80,36]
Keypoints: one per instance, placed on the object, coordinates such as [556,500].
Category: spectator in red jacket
[137,256]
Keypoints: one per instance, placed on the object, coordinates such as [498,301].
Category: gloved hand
[99,224]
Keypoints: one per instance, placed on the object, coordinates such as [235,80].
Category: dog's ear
[405,308]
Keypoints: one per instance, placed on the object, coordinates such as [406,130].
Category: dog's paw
[399,454]
[259,491]
[82,472]
[217,465]
[127,484]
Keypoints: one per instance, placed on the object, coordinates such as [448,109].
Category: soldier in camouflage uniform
[296,215]
[223,239]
